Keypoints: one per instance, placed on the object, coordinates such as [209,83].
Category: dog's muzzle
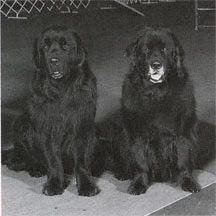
[156,72]
[55,68]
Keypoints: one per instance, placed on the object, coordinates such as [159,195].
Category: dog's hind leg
[23,155]
[17,157]
[11,161]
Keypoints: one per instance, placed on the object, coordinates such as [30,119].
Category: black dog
[158,139]
[56,135]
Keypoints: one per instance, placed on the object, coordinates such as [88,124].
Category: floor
[105,35]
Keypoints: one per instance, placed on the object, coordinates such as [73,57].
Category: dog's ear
[80,51]
[36,53]
[178,55]
[137,45]
[134,49]
[81,55]
[131,49]
[178,58]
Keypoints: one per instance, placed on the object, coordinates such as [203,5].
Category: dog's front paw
[137,188]
[89,190]
[53,187]
[122,176]
[190,185]
[13,165]
[37,173]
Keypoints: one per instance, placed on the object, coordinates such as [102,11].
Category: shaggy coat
[158,139]
[56,135]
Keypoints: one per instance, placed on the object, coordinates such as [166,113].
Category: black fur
[56,135]
[158,139]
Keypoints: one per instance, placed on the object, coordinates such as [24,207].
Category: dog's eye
[45,46]
[46,43]
[164,49]
[147,50]
[64,44]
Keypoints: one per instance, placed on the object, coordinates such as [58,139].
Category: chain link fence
[20,9]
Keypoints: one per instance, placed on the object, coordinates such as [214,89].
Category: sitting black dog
[157,139]
[56,135]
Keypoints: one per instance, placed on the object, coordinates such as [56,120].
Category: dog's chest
[53,113]
[163,118]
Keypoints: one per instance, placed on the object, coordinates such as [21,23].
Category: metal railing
[205,9]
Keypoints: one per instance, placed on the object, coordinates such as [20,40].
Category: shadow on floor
[207,144]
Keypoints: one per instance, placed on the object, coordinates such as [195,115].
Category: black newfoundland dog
[158,138]
[56,135]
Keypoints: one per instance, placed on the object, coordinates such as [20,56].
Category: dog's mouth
[156,72]
[56,75]
[55,68]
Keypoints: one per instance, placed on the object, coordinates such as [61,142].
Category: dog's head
[157,54]
[56,50]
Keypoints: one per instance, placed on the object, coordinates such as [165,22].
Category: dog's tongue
[156,76]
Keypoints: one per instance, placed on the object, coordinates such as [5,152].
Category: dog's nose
[156,65]
[55,47]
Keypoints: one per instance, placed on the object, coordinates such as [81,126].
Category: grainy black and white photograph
[108,107]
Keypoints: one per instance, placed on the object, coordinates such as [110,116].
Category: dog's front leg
[141,180]
[85,184]
[185,178]
[55,173]
[55,177]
